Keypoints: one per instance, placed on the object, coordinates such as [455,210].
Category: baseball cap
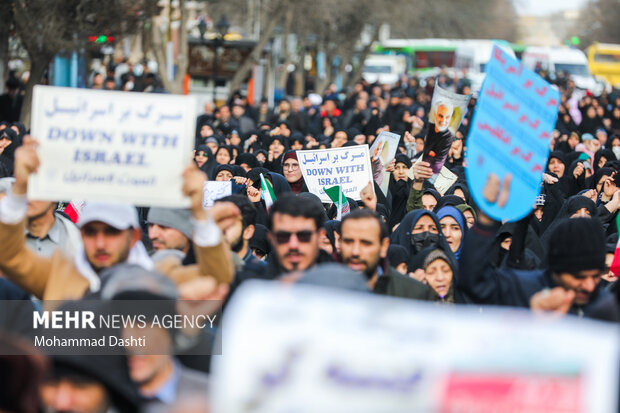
[119,216]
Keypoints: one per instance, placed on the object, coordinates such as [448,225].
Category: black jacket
[395,284]
[492,286]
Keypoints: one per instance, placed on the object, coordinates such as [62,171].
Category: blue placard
[510,133]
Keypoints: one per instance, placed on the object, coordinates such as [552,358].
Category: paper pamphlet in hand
[111,146]
[445,179]
[447,111]
[316,355]
[348,167]
[382,151]
[510,133]
[214,190]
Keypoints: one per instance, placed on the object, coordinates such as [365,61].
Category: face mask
[424,240]
[616,150]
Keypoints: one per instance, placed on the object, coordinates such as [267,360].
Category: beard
[370,268]
[237,245]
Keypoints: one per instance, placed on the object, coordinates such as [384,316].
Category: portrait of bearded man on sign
[439,137]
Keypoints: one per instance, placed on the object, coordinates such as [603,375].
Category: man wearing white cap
[111,235]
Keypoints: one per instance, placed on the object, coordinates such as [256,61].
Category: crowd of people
[411,242]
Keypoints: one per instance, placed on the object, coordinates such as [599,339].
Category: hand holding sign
[494,193]
[26,163]
[193,184]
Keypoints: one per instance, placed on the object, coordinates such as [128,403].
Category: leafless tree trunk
[356,74]
[174,85]
[252,59]
[288,21]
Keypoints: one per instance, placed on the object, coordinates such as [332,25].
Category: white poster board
[111,146]
[214,190]
[348,167]
[383,150]
[306,349]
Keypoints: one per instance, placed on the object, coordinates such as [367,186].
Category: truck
[604,62]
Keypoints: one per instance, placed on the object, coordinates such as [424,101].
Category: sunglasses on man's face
[282,237]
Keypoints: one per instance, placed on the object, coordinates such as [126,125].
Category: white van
[474,57]
[384,69]
[565,59]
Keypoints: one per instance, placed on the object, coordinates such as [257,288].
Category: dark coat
[492,286]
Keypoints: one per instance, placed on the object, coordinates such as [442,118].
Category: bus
[426,54]
[604,61]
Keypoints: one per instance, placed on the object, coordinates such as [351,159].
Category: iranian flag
[615,265]
[267,193]
[335,194]
[74,209]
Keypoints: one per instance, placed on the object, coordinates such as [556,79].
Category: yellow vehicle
[604,61]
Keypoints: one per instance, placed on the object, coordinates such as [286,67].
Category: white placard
[111,146]
[307,349]
[214,190]
[348,167]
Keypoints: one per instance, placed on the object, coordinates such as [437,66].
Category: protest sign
[348,167]
[510,134]
[214,190]
[316,354]
[383,150]
[111,146]
[447,111]
[443,180]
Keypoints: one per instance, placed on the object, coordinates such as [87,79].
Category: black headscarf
[402,235]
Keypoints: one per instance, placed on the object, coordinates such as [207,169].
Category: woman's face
[223,176]
[581,213]
[297,146]
[222,157]
[235,140]
[261,157]
[602,161]
[439,276]
[206,131]
[200,158]
[291,170]
[400,171]
[557,167]
[276,148]
[469,218]
[573,141]
[452,231]
[213,146]
[459,192]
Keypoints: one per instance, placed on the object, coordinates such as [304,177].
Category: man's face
[419,145]
[442,118]
[37,209]
[67,395]
[295,241]
[105,245]
[361,246]
[237,111]
[167,238]
[583,284]
[234,235]
[428,202]
[224,113]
